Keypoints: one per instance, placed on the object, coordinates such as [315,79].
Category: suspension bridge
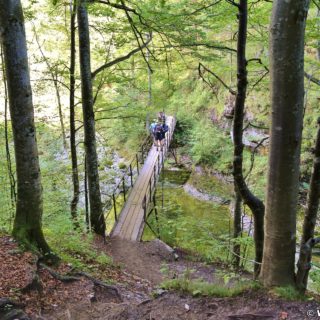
[139,198]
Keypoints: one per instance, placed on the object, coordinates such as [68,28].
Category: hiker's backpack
[158,128]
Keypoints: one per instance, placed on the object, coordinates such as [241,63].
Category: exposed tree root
[10,310]
[110,288]
[58,276]
[76,276]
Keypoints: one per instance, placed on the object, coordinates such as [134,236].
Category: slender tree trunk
[27,225]
[310,219]
[12,179]
[87,214]
[318,28]
[96,213]
[255,204]
[149,76]
[287,93]
[63,130]
[54,76]
[237,228]
[73,146]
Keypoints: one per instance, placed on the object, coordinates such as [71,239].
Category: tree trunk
[73,146]
[318,28]
[287,93]
[255,204]
[96,213]
[310,218]
[149,76]
[27,224]
[12,179]
[54,76]
[237,228]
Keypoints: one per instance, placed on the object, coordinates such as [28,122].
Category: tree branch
[217,77]
[122,58]
[312,78]
[233,3]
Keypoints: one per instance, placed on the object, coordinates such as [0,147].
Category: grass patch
[201,288]
[76,248]
[289,293]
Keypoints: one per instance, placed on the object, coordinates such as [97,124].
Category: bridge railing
[127,179]
[149,196]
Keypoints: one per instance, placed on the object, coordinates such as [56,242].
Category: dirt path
[154,262]
[171,306]
[136,282]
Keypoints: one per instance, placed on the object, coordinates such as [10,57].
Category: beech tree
[27,224]
[96,213]
[287,94]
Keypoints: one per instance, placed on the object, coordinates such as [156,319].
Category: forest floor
[30,290]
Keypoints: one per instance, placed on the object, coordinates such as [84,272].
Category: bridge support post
[150,187]
[115,207]
[124,189]
[131,179]
[156,214]
[137,158]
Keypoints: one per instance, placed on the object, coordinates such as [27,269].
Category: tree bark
[96,213]
[73,146]
[310,219]
[12,179]
[149,75]
[287,92]
[27,224]
[237,228]
[255,204]
[54,76]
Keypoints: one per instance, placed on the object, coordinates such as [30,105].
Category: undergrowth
[76,247]
[202,288]
[289,293]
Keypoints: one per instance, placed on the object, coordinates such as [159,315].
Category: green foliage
[184,34]
[201,288]
[74,246]
[289,293]
[211,147]
[122,166]
[314,279]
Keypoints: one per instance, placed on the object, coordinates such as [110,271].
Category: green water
[199,226]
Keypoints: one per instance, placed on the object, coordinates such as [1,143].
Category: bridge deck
[131,220]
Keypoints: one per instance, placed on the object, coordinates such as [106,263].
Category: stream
[194,214]
[192,218]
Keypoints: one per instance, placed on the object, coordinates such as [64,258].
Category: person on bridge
[151,128]
[159,132]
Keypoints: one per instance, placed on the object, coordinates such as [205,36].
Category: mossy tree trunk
[287,94]
[96,213]
[27,224]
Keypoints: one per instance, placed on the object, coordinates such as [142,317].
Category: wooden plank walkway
[131,220]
